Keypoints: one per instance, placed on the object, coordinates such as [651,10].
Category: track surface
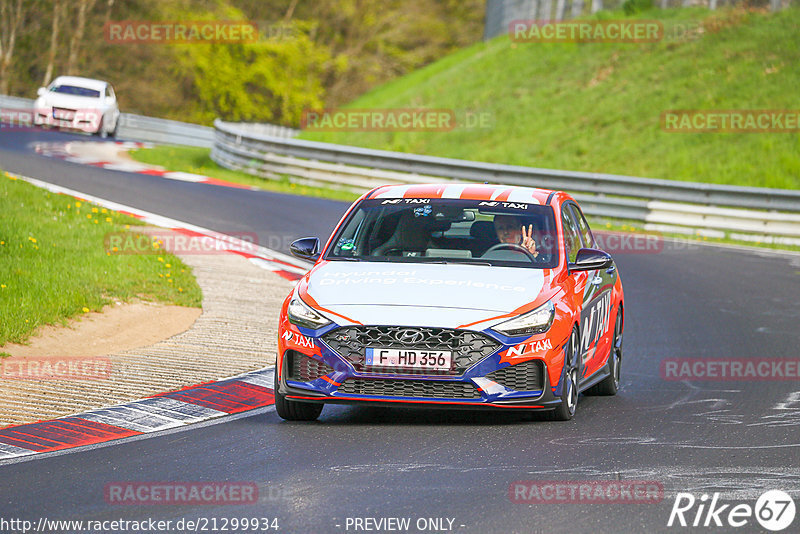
[732,437]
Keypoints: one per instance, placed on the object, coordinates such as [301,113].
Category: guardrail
[684,207]
[134,127]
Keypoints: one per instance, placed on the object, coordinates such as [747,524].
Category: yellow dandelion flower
[160,275]
[2,286]
[170,280]
[180,289]
[108,219]
[127,226]
[167,275]
[160,259]
[168,266]
[95,210]
[2,242]
[96,221]
[104,210]
[115,249]
[77,204]
[32,239]
[85,309]
[88,215]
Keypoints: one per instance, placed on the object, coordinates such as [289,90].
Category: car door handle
[597,280]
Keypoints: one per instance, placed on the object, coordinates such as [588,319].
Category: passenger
[509,230]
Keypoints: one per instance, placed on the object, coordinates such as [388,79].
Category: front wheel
[293,410]
[569,389]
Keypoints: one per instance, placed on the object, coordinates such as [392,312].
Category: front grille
[410,388]
[305,369]
[526,376]
[468,347]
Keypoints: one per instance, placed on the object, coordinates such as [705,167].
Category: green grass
[198,161]
[54,265]
[597,107]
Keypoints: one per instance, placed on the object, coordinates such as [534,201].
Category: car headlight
[302,314]
[533,322]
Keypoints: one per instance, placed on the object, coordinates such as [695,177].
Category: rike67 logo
[774,511]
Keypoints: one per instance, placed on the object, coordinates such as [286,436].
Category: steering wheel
[511,246]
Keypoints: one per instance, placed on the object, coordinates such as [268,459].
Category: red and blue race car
[452,295]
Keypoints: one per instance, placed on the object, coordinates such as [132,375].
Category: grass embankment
[597,107]
[54,264]
[198,161]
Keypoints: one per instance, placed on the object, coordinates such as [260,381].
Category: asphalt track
[738,438]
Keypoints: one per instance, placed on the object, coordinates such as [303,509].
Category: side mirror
[589,259]
[306,248]
[41,91]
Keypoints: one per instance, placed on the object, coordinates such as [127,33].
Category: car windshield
[415,230]
[75,91]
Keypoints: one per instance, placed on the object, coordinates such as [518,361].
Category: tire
[569,391]
[610,385]
[292,410]
[101,130]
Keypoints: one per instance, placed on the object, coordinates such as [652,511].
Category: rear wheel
[610,385]
[293,410]
[569,389]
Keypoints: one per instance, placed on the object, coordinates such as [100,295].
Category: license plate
[417,359]
[63,114]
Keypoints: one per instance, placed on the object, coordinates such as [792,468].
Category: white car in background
[75,103]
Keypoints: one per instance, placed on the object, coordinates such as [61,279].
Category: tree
[10,24]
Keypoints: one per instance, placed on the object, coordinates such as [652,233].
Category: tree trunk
[597,5]
[577,8]
[109,5]
[547,10]
[51,59]
[561,6]
[77,36]
[10,19]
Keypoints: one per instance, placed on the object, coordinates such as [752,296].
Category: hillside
[597,107]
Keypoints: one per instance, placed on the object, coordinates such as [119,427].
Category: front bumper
[324,376]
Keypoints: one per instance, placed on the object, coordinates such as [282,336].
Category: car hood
[447,296]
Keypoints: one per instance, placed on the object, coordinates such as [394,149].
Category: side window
[572,240]
[583,227]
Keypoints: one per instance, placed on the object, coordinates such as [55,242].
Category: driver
[508,230]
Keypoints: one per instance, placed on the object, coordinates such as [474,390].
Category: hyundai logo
[409,336]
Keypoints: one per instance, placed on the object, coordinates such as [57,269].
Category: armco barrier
[134,127]
[716,209]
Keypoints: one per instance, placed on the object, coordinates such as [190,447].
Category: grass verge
[197,160]
[54,265]
[597,106]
